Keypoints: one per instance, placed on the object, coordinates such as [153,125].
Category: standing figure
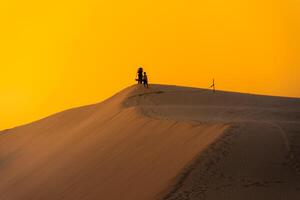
[213,85]
[145,80]
[140,75]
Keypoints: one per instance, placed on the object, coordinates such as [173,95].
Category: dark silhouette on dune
[145,80]
[140,75]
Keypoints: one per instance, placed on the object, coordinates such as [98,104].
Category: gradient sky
[64,53]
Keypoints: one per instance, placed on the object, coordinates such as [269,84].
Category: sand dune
[166,142]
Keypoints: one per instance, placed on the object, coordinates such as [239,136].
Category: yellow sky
[64,53]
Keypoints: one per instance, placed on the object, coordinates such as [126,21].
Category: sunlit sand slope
[257,157]
[166,142]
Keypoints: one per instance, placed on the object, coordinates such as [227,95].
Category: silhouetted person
[213,86]
[140,75]
[145,80]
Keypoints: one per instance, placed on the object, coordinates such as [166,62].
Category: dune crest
[166,142]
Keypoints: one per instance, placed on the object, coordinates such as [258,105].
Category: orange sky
[60,54]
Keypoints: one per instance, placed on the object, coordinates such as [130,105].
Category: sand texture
[166,142]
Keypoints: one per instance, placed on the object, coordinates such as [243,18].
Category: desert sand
[166,142]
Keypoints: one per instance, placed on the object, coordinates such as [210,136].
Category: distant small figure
[213,86]
[145,80]
[140,75]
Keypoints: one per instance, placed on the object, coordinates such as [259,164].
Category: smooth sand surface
[166,142]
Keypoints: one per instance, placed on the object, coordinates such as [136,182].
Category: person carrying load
[140,75]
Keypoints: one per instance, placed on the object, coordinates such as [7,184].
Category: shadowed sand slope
[166,142]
